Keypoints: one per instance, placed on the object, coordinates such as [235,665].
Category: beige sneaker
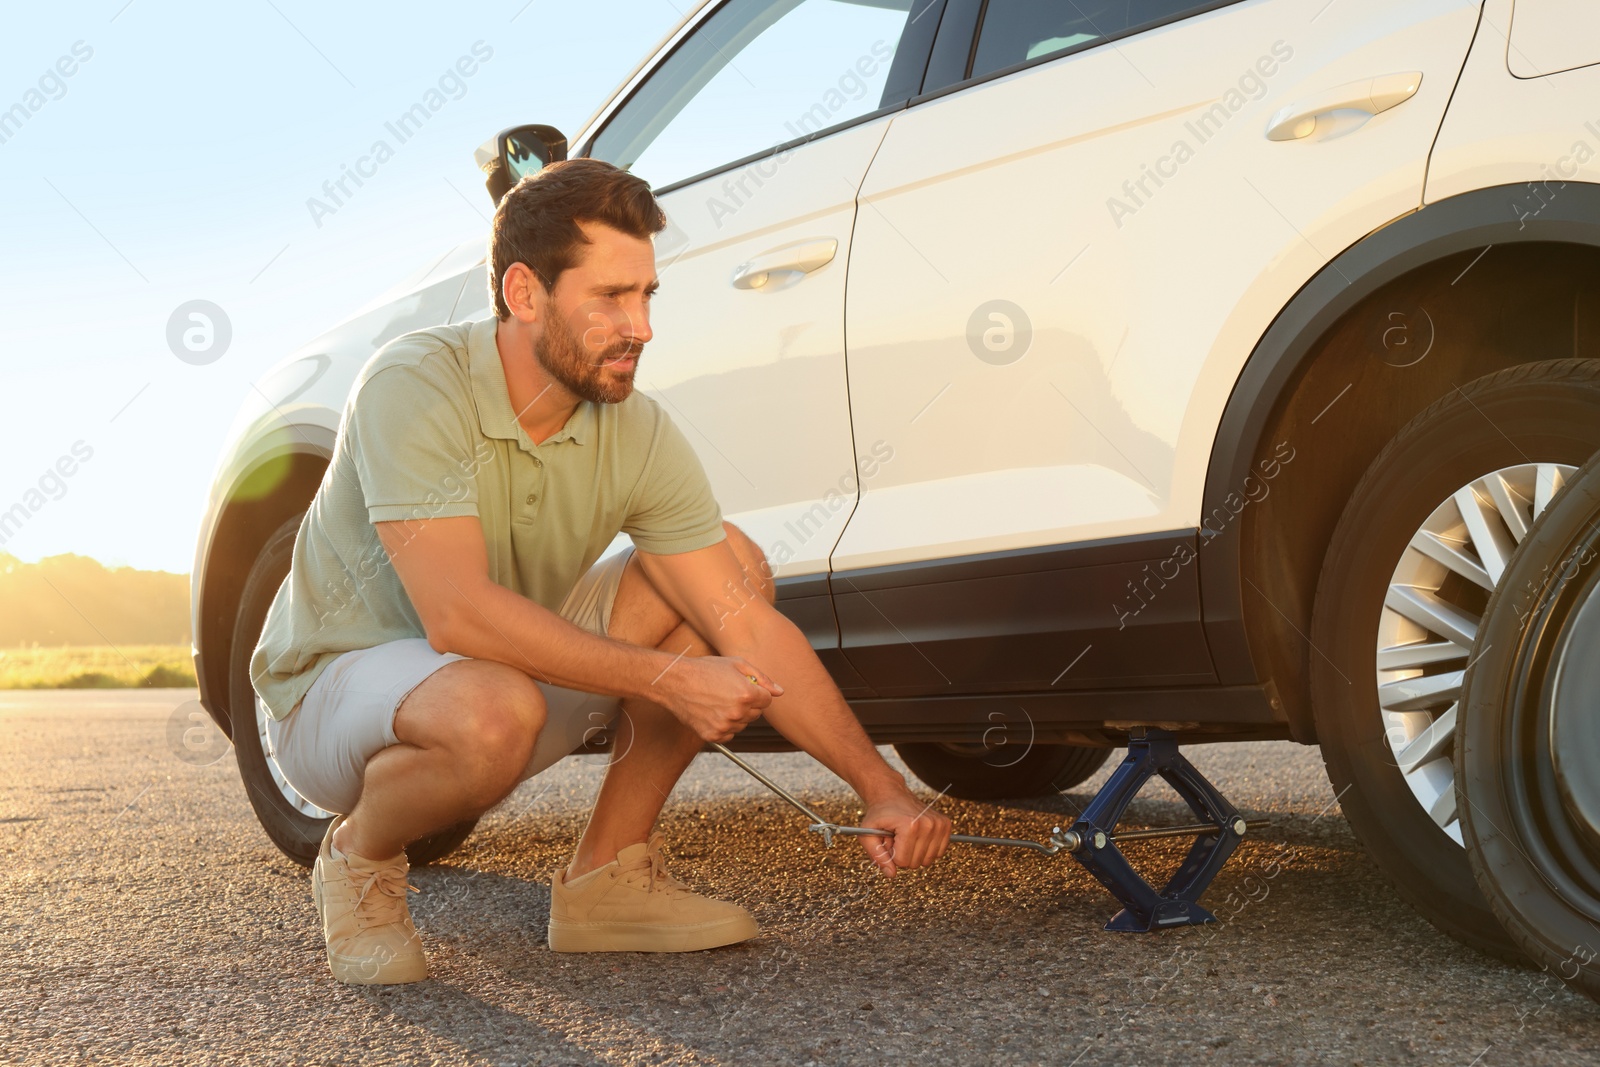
[362,905]
[633,905]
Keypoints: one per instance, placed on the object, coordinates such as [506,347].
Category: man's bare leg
[651,747]
[465,734]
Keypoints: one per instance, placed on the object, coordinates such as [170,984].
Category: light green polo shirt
[428,432]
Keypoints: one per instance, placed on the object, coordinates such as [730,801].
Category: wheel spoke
[1448,553]
[1488,532]
[1419,693]
[1547,484]
[1443,810]
[1418,654]
[1431,743]
[1427,609]
[1510,505]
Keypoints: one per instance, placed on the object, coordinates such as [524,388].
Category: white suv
[1080,365]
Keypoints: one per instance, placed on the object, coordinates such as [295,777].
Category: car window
[1015,31]
[756,74]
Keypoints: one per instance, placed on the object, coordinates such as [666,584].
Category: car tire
[980,772]
[1527,739]
[294,824]
[1388,744]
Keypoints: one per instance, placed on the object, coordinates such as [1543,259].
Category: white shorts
[347,716]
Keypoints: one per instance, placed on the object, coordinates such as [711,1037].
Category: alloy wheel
[1431,614]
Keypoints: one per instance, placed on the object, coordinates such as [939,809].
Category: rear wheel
[977,771]
[1528,745]
[1420,548]
[295,824]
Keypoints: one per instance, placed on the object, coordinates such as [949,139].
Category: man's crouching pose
[445,632]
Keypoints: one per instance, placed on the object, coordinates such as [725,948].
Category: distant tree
[75,600]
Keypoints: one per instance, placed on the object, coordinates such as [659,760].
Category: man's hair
[536,223]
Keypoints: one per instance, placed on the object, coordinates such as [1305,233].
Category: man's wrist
[883,787]
[653,679]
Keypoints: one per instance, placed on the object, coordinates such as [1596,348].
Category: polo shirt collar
[493,398]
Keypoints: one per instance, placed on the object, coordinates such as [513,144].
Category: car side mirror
[516,153]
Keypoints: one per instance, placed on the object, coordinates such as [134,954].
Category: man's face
[597,319]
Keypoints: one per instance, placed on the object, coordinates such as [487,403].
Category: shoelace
[388,904]
[658,880]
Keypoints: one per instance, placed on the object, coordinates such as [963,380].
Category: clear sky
[175,162]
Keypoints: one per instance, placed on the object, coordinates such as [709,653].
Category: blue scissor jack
[1093,839]
[1151,753]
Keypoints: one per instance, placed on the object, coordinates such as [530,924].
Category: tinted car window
[1015,31]
[756,74]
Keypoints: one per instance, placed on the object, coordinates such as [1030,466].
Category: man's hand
[920,834]
[716,696]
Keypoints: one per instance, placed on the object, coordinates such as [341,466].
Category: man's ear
[524,293]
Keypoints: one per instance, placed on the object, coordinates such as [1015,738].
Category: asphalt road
[144,917]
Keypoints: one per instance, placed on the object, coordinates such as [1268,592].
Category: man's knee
[493,719]
[502,710]
[758,572]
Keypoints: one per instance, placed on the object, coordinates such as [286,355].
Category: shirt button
[537,462]
[532,497]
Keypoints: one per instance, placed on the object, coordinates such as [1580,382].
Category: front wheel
[295,825]
[1420,548]
[978,771]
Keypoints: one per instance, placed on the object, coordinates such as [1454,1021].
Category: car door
[755,129]
[1060,264]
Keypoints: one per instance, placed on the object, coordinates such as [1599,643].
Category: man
[445,633]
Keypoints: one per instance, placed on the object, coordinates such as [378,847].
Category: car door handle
[802,257]
[1371,95]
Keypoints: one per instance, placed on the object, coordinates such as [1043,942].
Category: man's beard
[564,358]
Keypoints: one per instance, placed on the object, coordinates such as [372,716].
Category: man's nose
[636,326]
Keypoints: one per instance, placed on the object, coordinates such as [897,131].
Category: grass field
[96,667]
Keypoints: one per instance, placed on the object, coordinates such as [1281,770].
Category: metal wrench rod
[770,784]
[1007,842]
[1199,829]
[960,839]
[828,828]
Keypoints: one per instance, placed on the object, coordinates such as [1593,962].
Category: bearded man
[445,631]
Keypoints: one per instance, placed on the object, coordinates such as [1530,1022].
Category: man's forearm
[495,623]
[811,713]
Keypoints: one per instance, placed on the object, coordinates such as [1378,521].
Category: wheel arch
[1497,266]
[271,487]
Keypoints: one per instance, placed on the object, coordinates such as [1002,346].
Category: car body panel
[1122,612]
[1504,129]
[1143,308]
[769,412]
